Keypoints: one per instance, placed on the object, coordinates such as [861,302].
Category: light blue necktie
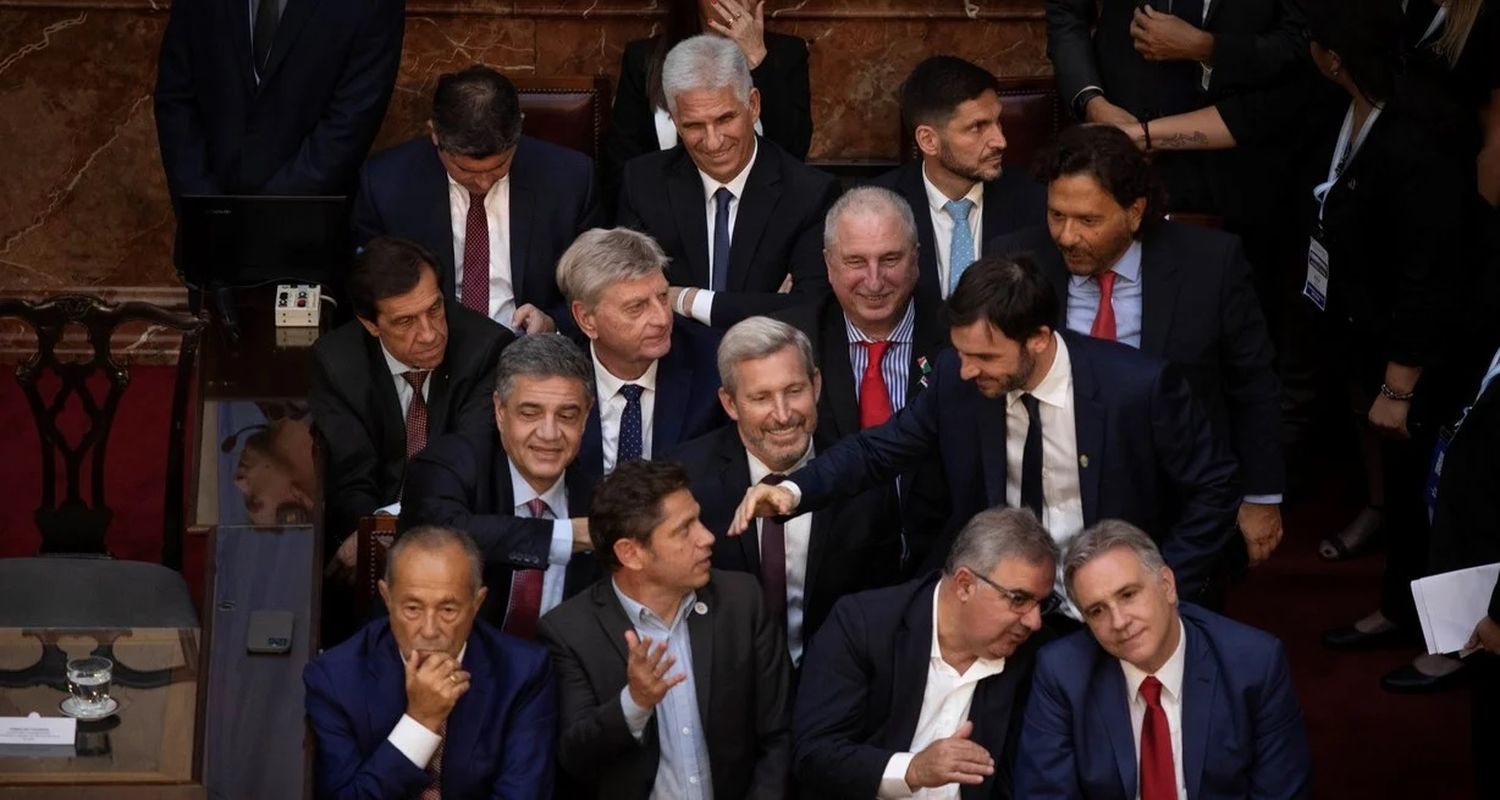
[961,246]
[720,280]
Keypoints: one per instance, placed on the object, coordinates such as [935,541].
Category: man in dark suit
[497,207]
[1157,700]
[1071,427]
[674,678]
[739,216]
[875,340]
[921,686]
[408,368]
[273,96]
[429,701]
[1176,291]
[655,380]
[770,388]
[952,108]
[517,493]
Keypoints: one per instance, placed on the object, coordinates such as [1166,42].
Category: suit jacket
[463,481]
[500,737]
[740,670]
[861,695]
[778,229]
[305,128]
[403,192]
[1200,312]
[855,543]
[358,415]
[687,396]
[1242,731]
[1011,203]
[1151,456]
[924,490]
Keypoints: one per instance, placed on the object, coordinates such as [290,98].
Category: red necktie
[1158,778]
[1104,319]
[773,560]
[434,790]
[476,288]
[874,400]
[416,413]
[526,588]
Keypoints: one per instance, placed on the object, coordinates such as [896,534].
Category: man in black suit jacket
[923,685]
[668,667]
[368,415]
[656,381]
[1176,291]
[952,108]
[1116,432]
[537,197]
[739,216]
[516,493]
[770,389]
[285,102]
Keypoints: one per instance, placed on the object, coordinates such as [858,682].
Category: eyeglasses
[1022,602]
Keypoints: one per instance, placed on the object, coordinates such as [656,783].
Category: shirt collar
[1127,268]
[1170,673]
[736,185]
[638,613]
[394,364]
[937,199]
[608,385]
[900,335]
[981,668]
[521,492]
[455,186]
[1056,387]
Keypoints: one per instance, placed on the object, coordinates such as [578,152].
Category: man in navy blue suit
[656,379]
[1157,700]
[430,702]
[498,208]
[1074,428]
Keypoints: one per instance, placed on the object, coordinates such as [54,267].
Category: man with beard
[957,189]
[1074,428]
[770,388]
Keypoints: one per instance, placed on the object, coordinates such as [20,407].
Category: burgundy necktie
[476,288]
[1158,777]
[416,413]
[434,790]
[1104,319]
[773,560]
[874,399]
[526,587]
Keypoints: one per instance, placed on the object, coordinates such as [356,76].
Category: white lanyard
[1437,21]
[1344,152]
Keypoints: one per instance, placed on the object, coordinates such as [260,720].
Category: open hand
[955,759]
[646,670]
[745,27]
[761,500]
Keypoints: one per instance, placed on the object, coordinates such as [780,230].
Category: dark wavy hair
[1106,154]
[1012,294]
[386,267]
[627,504]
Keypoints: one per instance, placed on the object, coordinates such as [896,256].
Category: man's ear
[754,105]
[432,132]
[584,318]
[385,593]
[1169,580]
[817,382]
[1037,342]
[370,327]
[727,401]
[628,553]
[1135,213]
[927,140]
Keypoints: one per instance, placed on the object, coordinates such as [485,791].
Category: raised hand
[745,27]
[434,682]
[646,670]
[955,759]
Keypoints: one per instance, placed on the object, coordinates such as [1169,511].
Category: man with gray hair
[655,380]
[917,689]
[517,492]
[770,387]
[496,207]
[739,216]
[1159,700]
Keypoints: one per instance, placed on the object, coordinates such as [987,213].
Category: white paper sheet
[38,730]
[1451,604]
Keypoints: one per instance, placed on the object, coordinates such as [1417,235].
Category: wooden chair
[376,534]
[1030,115]
[571,111]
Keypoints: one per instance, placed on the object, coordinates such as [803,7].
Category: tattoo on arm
[1180,141]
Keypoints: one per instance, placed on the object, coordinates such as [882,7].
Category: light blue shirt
[682,772]
[895,366]
[1083,299]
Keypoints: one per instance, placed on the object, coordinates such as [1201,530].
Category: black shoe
[1407,679]
[1354,639]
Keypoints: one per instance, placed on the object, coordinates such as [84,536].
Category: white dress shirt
[556,498]
[703,303]
[411,737]
[945,706]
[1062,493]
[1170,676]
[942,224]
[497,214]
[798,533]
[612,408]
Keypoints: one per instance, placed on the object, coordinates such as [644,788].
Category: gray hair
[760,337]
[600,257]
[996,534]
[869,200]
[543,355]
[1106,536]
[428,538]
[705,62]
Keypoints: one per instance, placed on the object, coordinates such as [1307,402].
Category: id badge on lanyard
[1315,288]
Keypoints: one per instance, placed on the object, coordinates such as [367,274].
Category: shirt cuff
[635,716]
[561,551]
[893,780]
[1263,499]
[703,307]
[394,509]
[1073,103]
[414,741]
[796,492]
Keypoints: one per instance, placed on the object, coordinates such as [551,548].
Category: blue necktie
[631,443]
[720,279]
[961,246]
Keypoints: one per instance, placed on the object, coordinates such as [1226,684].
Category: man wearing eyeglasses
[916,690]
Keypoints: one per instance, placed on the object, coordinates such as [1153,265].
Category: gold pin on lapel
[1083,460]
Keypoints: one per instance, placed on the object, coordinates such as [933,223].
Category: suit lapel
[991,420]
[817,548]
[470,714]
[911,187]
[1052,266]
[1088,425]
[591,449]
[735,476]
[292,19]
[239,20]
[611,617]
[428,203]
[913,655]
[838,374]
[1158,294]
[927,340]
[387,403]
[582,569]
[1200,678]
[522,209]
[437,399]
[674,379]
[762,193]
[689,208]
[701,628]
[1114,714]
[387,677]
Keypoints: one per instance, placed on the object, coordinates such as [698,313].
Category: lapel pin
[1083,460]
[700,607]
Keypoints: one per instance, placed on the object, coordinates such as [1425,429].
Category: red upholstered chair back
[571,111]
[1030,115]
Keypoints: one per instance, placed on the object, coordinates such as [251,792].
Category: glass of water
[88,683]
